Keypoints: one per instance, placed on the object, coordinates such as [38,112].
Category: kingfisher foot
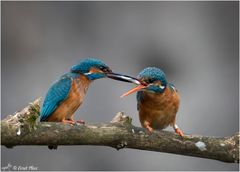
[150,129]
[68,121]
[80,121]
[146,125]
[179,132]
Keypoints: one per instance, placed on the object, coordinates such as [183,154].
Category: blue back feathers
[86,64]
[57,93]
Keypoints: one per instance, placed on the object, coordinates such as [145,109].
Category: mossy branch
[23,128]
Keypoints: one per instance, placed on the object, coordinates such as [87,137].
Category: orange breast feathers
[75,98]
[158,110]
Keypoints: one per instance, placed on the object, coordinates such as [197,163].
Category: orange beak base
[135,89]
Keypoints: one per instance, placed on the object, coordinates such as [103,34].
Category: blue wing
[139,98]
[57,93]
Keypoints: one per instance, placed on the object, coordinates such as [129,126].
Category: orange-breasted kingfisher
[67,94]
[157,100]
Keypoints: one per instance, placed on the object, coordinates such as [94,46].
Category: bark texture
[24,128]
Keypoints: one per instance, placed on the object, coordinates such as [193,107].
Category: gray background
[195,43]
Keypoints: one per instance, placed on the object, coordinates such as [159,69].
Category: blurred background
[195,43]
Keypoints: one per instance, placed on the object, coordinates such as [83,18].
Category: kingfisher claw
[80,121]
[68,121]
[73,122]
[150,129]
[179,132]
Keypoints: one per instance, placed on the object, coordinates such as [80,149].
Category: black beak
[124,78]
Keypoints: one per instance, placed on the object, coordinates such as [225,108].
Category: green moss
[35,109]
[31,121]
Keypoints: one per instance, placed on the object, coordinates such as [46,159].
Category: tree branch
[23,128]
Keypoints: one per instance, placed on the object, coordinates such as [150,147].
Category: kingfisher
[157,100]
[66,94]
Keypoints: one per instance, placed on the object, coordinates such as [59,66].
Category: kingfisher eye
[148,80]
[101,67]
[104,69]
[151,80]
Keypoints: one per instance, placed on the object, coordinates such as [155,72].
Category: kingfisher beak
[124,78]
[135,89]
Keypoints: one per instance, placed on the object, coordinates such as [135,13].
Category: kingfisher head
[94,69]
[151,79]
